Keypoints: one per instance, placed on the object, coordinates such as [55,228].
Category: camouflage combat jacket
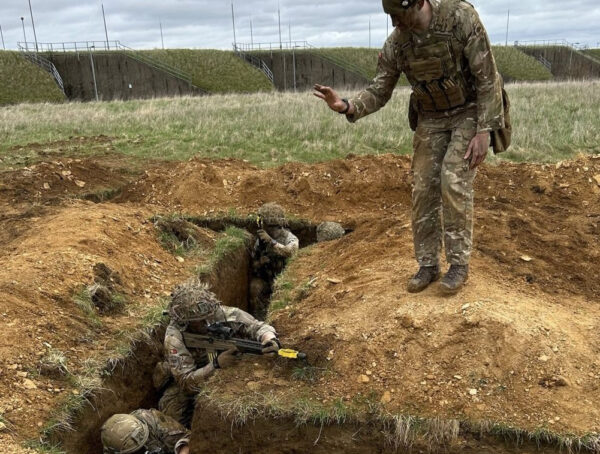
[191,368]
[450,67]
[268,260]
[165,434]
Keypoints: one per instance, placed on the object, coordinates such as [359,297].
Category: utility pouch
[502,138]
[426,70]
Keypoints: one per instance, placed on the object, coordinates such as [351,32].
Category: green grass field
[511,62]
[216,71]
[21,81]
[552,121]
[594,53]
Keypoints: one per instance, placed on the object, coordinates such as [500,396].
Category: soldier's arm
[181,362]
[478,52]
[380,91]
[255,329]
[288,246]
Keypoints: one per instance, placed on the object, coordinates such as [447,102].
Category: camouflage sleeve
[171,434]
[287,245]
[255,329]
[182,364]
[478,52]
[376,95]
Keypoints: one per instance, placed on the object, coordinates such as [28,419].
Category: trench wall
[118,76]
[567,63]
[310,69]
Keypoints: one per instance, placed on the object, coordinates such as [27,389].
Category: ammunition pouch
[502,138]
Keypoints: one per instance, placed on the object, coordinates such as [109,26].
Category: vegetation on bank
[512,63]
[552,121]
[22,81]
[216,71]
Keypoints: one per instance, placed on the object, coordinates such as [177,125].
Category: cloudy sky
[207,23]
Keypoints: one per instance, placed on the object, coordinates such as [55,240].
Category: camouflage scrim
[450,67]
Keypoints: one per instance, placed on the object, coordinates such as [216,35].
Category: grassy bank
[215,70]
[552,121]
[22,81]
[512,63]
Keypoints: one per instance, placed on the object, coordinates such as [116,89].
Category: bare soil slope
[520,345]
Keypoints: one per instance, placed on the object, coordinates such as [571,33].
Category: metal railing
[551,43]
[300,45]
[254,61]
[108,46]
[545,62]
[45,64]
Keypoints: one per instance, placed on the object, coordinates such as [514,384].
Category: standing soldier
[144,431]
[275,244]
[193,308]
[456,103]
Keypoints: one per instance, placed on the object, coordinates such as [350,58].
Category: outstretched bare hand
[330,96]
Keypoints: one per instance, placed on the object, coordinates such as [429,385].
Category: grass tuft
[83,299]
[232,239]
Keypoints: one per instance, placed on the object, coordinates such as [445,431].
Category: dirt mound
[519,345]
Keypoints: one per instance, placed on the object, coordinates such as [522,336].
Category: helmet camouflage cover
[327,231]
[397,6]
[272,214]
[123,434]
[192,301]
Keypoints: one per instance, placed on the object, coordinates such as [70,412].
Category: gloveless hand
[330,96]
[478,148]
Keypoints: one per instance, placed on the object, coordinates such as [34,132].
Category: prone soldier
[144,431]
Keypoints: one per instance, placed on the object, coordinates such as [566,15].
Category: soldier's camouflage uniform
[165,435]
[457,93]
[190,368]
[268,260]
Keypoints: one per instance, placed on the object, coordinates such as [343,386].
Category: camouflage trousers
[442,198]
[177,404]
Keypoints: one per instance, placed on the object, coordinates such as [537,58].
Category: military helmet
[192,301]
[392,7]
[327,231]
[272,214]
[123,434]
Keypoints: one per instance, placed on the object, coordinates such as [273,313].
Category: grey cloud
[207,23]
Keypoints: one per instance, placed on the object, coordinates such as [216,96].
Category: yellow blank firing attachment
[291,354]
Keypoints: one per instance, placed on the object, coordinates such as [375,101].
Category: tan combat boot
[425,276]
[455,279]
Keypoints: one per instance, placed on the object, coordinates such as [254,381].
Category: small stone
[2,426]
[465,307]
[40,424]
[22,374]
[430,377]
[473,392]
[333,280]
[369,372]
[180,259]
[555,349]
[458,377]
[544,358]
[80,183]
[386,398]
[28,384]
[363,379]
[597,179]
[75,392]
[46,186]
[526,258]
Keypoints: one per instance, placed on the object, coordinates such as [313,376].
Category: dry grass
[552,121]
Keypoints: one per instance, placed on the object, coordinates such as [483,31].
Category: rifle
[220,338]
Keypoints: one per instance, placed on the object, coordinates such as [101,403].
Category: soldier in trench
[144,431]
[275,244]
[456,109]
[193,308]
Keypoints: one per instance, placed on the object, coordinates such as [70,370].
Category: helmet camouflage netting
[327,231]
[123,434]
[192,301]
[272,214]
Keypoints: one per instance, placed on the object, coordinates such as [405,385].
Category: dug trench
[127,384]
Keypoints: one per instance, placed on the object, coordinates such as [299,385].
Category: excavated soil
[519,345]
